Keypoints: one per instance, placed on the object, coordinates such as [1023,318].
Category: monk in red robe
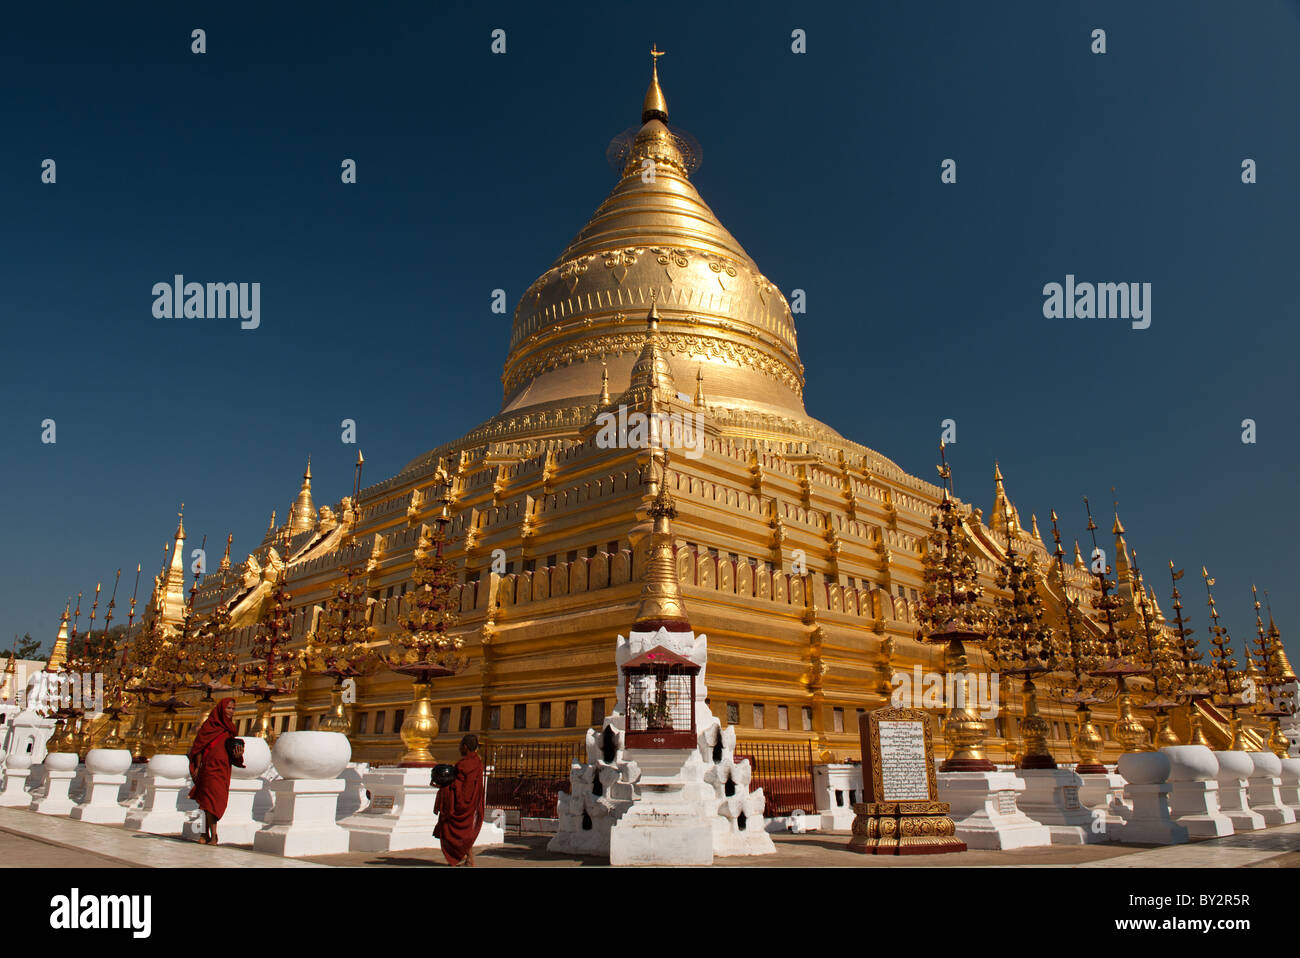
[214,750]
[460,806]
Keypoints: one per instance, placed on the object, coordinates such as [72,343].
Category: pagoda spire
[1122,567]
[225,558]
[655,105]
[699,388]
[661,604]
[59,653]
[1003,518]
[604,386]
[1078,558]
[302,517]
[1276,636]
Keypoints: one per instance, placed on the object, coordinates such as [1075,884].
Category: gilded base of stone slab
[904,828]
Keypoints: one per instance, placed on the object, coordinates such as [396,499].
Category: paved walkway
[34,836]
[32,840]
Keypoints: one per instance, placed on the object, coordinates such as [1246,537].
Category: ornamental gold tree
[1276,703]
[140,683]
[1081,654]
[1161,655]
[338,646]
[1193,677]
[274,666]
[1226,681]
[116,676]
[950,616]
[1022,645]
[424,648]
[212,657]
[1120,659]
[82,662]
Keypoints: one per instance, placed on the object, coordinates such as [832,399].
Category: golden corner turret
[302,517]
[58,657]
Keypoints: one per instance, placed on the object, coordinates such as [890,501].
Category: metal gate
[784,771]
[526,777]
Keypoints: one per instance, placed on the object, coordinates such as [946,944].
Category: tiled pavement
[28,839]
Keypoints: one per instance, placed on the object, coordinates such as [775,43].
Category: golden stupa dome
[580,330]
[654,240]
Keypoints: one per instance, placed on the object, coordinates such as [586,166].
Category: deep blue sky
[475,170]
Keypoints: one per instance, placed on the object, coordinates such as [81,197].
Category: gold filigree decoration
[563,354]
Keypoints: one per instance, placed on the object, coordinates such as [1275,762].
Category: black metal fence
[526,777]
[784,771]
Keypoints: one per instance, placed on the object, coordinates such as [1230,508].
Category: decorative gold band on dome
[675,343]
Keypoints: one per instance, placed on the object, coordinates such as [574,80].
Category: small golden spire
[604,385]
[699,387]
[180,523]
[1033,523]
[303,514]
[654,106]
[661,603]
[225,559]
[1078,557]
[1122,567]
[59,652]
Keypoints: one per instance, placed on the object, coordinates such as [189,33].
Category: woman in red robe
[214,750]
[460,806]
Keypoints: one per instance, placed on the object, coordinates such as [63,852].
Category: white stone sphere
[170,766]
[108,761]
[1234,765]
[1291,770]
[1267,765]
[61,761]
[311,755]
[257,758]
[1144,768]
[1191,763]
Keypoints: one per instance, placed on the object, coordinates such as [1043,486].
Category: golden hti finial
[180,523]
[225,558]
[303,514]
[661,604]
[654,106]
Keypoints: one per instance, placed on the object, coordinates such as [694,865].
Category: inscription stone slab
[900,815]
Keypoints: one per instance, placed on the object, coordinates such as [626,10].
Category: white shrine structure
[661,785]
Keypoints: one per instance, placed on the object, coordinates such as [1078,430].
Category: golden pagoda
[798,551]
